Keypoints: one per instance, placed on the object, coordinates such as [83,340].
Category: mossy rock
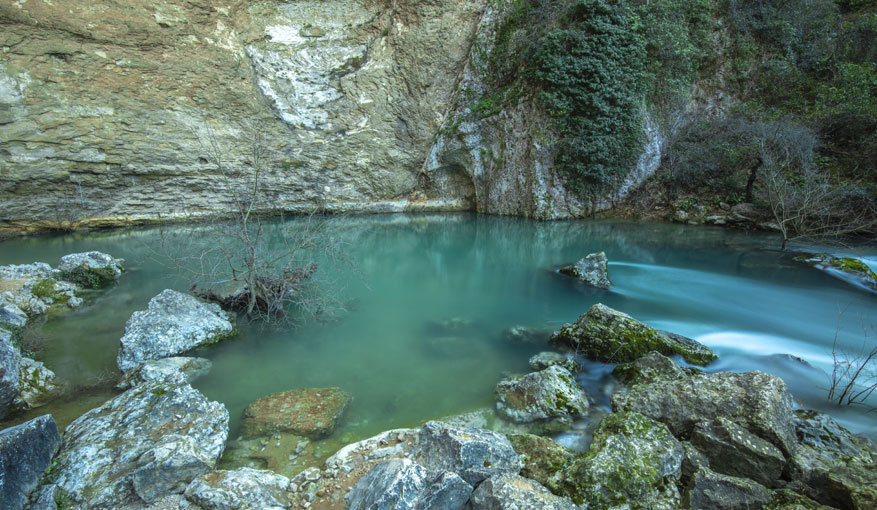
[851,268]
[542,457]
[90,278]
[44,288]
[610,336]
[308,412]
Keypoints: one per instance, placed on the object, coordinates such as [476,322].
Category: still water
[731,290]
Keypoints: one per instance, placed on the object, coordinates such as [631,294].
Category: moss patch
[90,278]
[44,288]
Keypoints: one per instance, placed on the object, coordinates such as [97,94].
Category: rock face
[91,269]
[25,453]
[754,400]
[172,324]
[474,454]
[652,367]
[733,450]
[538,396]
[593,270]
[400,484]
[608,335]
[836,468]
[542,457]
[309,412]
[512,492]
[632,458]
[144,444]
[36,383]
[241,488]
[348,95]
[721,492]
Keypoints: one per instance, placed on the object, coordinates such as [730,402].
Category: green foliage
[593,79]
[90,278]
[44,288]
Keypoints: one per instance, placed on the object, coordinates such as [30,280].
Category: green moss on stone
[851,265]
[44,288]
[90,278]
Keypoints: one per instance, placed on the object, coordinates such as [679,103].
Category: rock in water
[546,359]
[757,401]
[172,324]
[36,383]
[241,488]
[549,394]
[173,369]
[593,270]
[607,335]
[474,454]
[632,458]
[26,451]
[9,370]
[309,412]
[91,269]
[146,443]
[848,269]
[513,492]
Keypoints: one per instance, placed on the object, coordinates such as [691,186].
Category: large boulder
[593,270]
[9,370]
[733,450]
[835,467]
[550,394]
[474,454]
[172,324]
[309,412]
[632,458]
[513,492]
[173,369]
[242,488]
[849,269]
[401,484]
[26,451]
[607,335]
[146,443]
[708,490]
[91,269]
[11,316]
[652,367]
[756,401]
[36,383]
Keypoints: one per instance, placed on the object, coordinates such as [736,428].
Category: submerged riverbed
[428,297]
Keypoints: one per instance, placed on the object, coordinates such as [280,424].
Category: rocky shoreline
[678,437]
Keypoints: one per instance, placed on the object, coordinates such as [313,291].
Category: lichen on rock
[551,394]
[309,412]
[593,269]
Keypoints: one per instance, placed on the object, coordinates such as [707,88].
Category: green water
[731,290]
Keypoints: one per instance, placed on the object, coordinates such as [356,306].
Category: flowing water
[391,350]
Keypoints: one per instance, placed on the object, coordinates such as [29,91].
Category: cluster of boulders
[26,292]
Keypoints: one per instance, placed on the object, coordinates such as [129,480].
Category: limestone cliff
[105,105]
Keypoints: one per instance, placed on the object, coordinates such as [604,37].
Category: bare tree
[252,258]
[854,375]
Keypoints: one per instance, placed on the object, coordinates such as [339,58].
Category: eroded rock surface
[241,488]
[512,492]
[607,335]
[26,451]
[173,369]
[172,324]
[547,359]
[708,489]
[91,269]
[593,269]
[550,394]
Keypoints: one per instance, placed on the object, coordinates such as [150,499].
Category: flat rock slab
[26,451]
[309,412]
[241,488]
[172,324]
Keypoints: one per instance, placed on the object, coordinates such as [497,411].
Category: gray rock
[136,435]
[712,491]
[395,484]
[733,450]
[652,367]
[549,394]
[91,260]
[547,359]
[786,499]
[632,458]
[607,335]
[26,451]
[172,324]
[44,498]
[447,491]
[542,457]
[593,270]
[513,492]
[9,369]
[692,460]
[524,335]
[12,315]
[173,369]
[756,401]
[836,468]
[474,454]
[243,489]
[36,383]
[34,271]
